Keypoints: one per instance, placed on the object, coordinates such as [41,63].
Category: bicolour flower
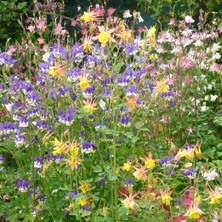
[140,173]
[148,161]
[22,185]
[38,162]
[88,147]
[129,202]
[215,196]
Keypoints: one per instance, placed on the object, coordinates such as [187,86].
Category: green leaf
[22,5]
[97,169]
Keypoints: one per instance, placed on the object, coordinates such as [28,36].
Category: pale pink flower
[59,29]
[10,50]
[40,41]
[189,19]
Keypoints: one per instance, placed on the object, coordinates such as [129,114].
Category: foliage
[10,12]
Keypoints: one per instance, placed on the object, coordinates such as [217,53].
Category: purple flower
[71,195]
[58,50]
[167,94]
[19,139]
[23,122]
[190,172]
[125,120]
[77,52]
[22,185]
[128,182]
[32,98]
[123,80]
[2,159]
[88,147]
[41,198]
[106,93]
[7,128]
[58,158]
[101,182]
[131,91]
[74,74]
[38,162]
[88,92]
[67,117]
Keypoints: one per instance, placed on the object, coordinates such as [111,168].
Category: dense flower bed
[109,128]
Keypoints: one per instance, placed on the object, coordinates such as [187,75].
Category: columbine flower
[89,106]
[88,147]
[161,86]
[149,162]
[127,14]
[59,147]
[215,196]
[84,187]
[22,185]
[140,173]
[190,172]
[129,202]
[104,37]
[189,19]
[83,83]
[38,162]
[194,212]
[126,166]
[210,175]
[93,16]
[165,195]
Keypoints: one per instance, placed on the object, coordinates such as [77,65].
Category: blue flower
[88,147]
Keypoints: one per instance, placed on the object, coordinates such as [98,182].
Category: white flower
[213,98]
[206,98]
[189,19]
[127,14]
[210,175]
[203,108]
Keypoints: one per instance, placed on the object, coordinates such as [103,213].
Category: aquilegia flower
[22,185]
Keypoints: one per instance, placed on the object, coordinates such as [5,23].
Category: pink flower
[164,119]
[189,130]
[40,41]
[31,28]
[40,24]
[172,22]
[59,29]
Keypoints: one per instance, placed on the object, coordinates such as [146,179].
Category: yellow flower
[165,195]
[198,151]
[89,106]
[83,83]
[215,196]
[84,187]
[73,162]
[87,45]
[86,17]
[126,166]
[149,162]
[162,86]
[82,202]
[59,147]
[104,37]
[189,154]
[194,213]
[59,70]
